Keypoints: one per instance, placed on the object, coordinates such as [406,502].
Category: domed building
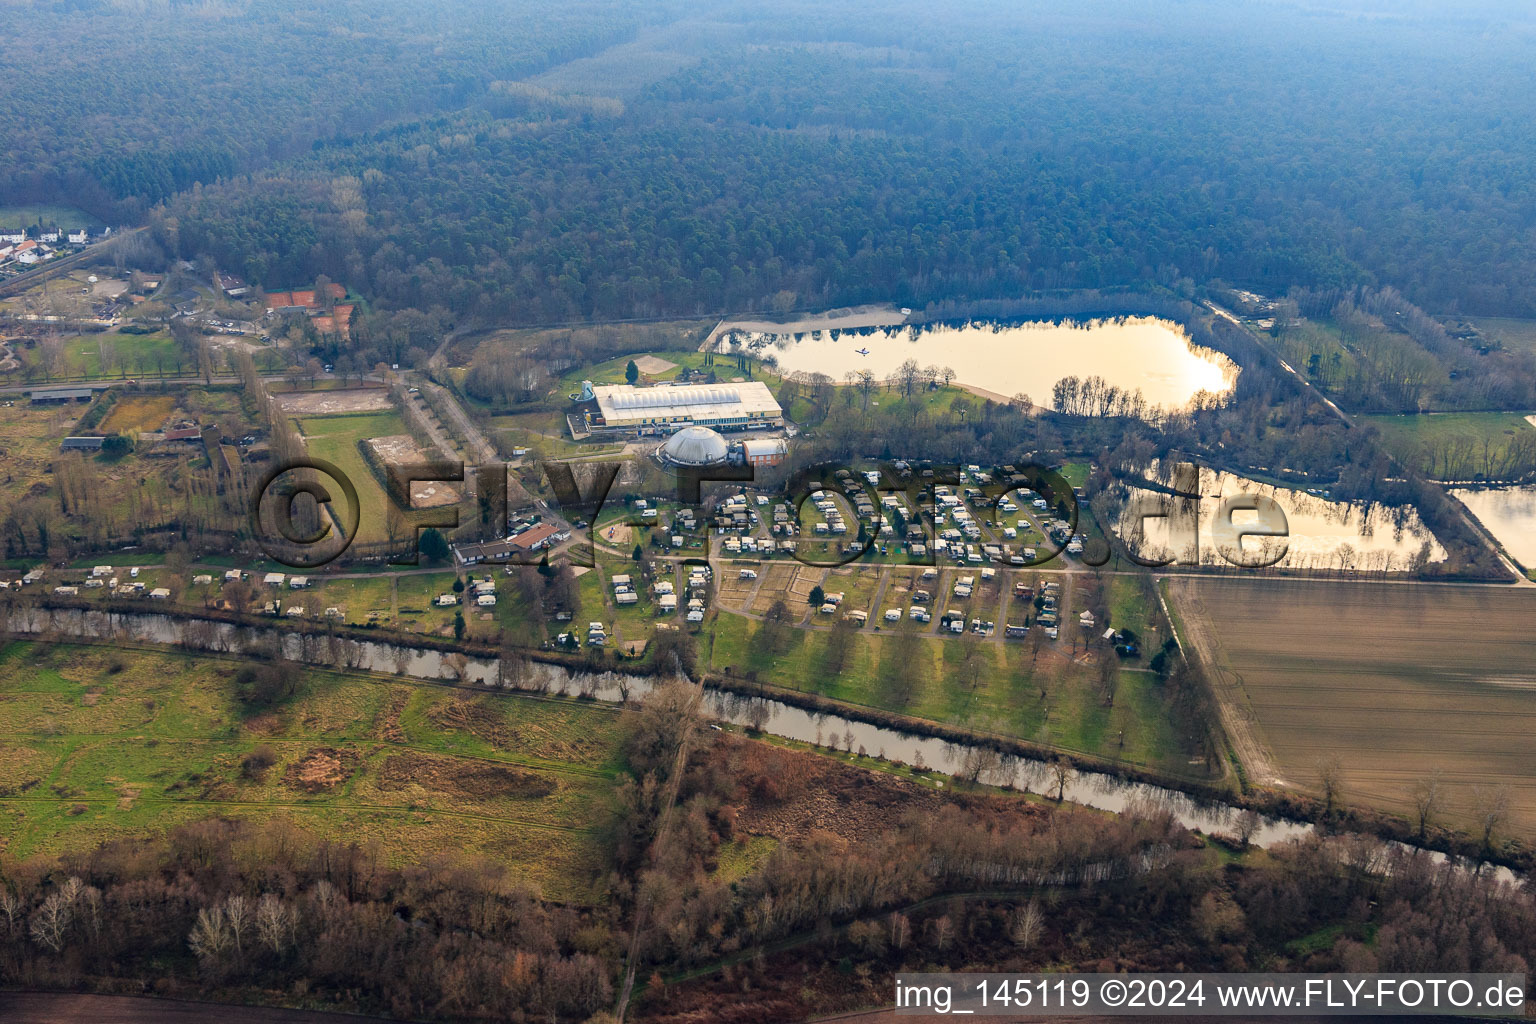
[694,446]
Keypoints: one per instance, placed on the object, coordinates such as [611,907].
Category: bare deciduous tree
[1330,779]
[50,922]
[1026,924]
[11,907]
[1426,799]
[1246,826]
[1061,772]
[239,913]
[211,938]
[942,931]
[276,924]
[977,760]
[1491,806]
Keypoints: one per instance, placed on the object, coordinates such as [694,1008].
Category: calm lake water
[1509,513]
[1323,534]
[1002,359]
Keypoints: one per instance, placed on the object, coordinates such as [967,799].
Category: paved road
[1301,379]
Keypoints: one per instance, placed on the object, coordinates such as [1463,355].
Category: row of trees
[228,907]
[1381,353]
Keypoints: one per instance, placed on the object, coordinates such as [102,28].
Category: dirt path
[70,1008]
[1301,379]
[479,448]
[663,828]
[1234,710]
[435,432]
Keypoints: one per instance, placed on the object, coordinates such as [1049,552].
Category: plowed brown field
[1395,681]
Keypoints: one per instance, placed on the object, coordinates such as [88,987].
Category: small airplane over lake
[862,351]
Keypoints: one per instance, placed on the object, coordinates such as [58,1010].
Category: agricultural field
[137,414]
[1461,445]
[97,745]
[1519,335]
[1395,682]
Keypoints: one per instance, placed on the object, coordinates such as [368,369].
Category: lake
[999,360]
[1323,534]
[1509,513]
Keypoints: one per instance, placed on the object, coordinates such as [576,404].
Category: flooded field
[1145,354]
[1509,513]
[1322,534]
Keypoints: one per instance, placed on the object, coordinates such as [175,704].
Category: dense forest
[129,101]
[888,152]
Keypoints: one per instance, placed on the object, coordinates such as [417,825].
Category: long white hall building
[745,405]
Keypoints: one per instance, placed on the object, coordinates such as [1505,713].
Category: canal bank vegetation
[722,857]
[1183,702]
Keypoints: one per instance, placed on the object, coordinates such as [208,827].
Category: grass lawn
[1133,605]
[111,354]
[336,439]
[1075,473]
[1137,728]
[1451,445]
[1515,334]
[528,430]
[363,600]
[415,606]
[612,370]
[27,215]
[97,745]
